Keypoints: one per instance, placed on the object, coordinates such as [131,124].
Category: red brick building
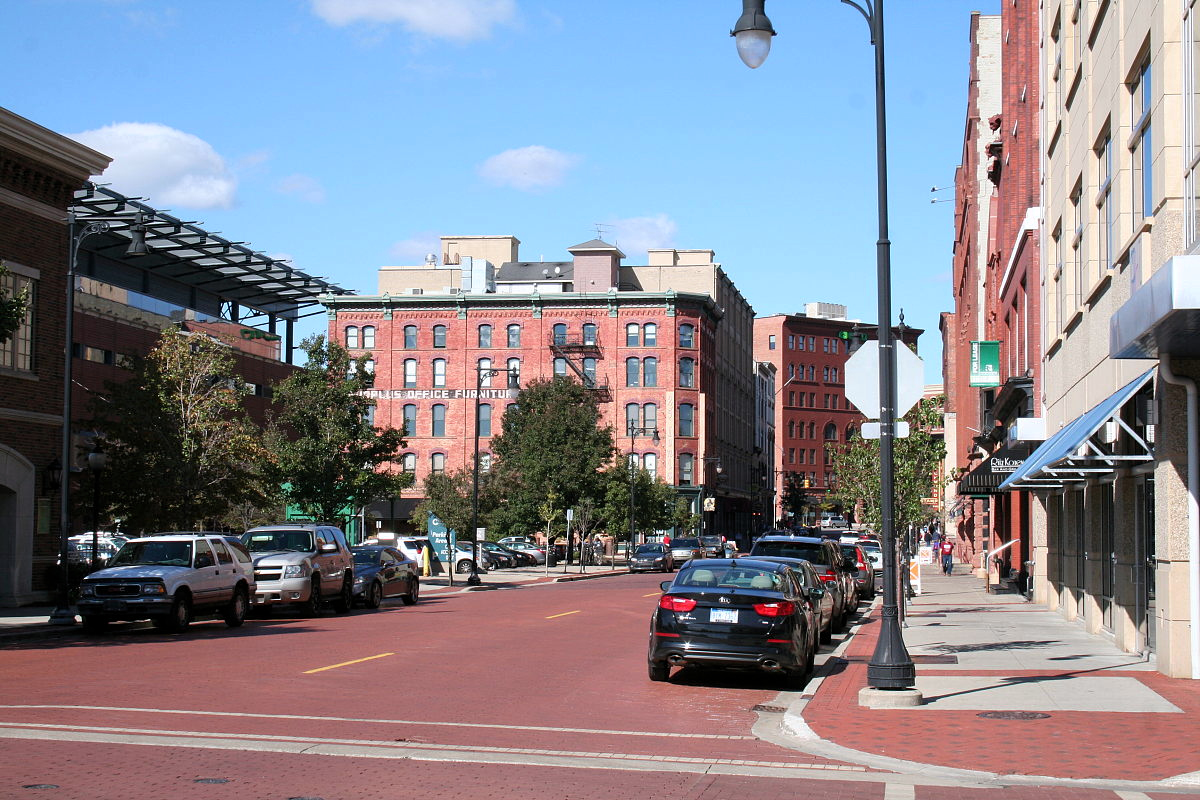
[667,347]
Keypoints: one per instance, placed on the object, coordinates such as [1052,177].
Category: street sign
[871,430]
[862,379]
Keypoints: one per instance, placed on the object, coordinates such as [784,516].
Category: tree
[326,452]
[181,447]
[448,495]
[653,501]
[683,519]
[856,466]
[13,306]
[551,445]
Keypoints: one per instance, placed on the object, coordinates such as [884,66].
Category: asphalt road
[533,692]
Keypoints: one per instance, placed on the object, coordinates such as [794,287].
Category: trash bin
[1027,579]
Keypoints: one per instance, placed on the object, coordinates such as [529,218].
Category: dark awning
[991,472]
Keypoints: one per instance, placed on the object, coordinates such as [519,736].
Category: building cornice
[47,147]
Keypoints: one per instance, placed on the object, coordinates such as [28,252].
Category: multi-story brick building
[809,352]
[666,345]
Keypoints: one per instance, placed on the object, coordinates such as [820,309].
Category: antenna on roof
[600,228]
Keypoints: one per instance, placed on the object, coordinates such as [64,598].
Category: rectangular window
[800,343]
[687,420]
[485,420]
[438,421]
[514,335]
[17,352]
[410,373]
[485,337]
[1143,156]
[812,343]
[410,337]
[439,335]
[368,337]
[791,341]
[687,373]
[632,371]
[687,469]
[771,342]
[1104,205]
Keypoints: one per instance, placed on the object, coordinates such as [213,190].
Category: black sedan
[652,556]
[816,591]
[381,572]
[733,613]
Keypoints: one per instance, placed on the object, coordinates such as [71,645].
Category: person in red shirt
[947,557]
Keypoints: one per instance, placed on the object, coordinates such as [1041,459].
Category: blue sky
[350,134]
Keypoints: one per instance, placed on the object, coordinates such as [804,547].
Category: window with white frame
[560,368]
[410,373]
[514,335]
[410,419]
[485,372]
[351,337]
[410,337]
[437,463]
[633,369]
[650,372]
[589,371]
[560,333]
[439,373]
[687,335]
[632,334]
[649,335]
[514,373]
[589,333]
[650,464]
[408,463]
[485,337]
[17,352]
[437,426]
[368,336]
[687,469]
[485,419]
[687,419]
[439,336]
[687,373]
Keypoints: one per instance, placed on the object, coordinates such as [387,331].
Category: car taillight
[784,608]
[672,603]
[828,576]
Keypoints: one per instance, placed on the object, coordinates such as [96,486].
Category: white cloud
[412,251]
[444,19]
[528,168]
[305,187]
[170,167]
[639,234]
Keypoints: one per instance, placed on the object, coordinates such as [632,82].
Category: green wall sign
[985,364]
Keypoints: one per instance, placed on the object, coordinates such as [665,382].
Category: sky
[346,135]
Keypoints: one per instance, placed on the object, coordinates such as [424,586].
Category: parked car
[169,579]
[874,554]
[714,546]
[302,564]
[538,554]
[686,548]
[381,572]
[412,546]
[651,556]
[465,555]
[510,540]
[826,557]
[733,613]
[817,592]
[501,556]
[832,520]
[79,547]
[864,575]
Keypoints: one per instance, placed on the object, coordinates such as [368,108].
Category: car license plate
[114,605]
[723,615]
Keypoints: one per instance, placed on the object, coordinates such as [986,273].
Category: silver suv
[301,564]
[168,579]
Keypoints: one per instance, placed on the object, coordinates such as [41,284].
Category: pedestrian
[947,557]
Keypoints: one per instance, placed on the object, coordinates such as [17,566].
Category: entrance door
[1108,556]
[1144,562]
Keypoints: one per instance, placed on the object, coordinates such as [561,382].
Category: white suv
[169,579]
[301,564]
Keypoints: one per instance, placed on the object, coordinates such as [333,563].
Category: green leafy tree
[448,495]
[181,448]
[856,466]
[653,502]
[13,306]
[326,453]
[683,519]
[552,445]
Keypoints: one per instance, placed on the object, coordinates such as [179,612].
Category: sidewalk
[1085,710]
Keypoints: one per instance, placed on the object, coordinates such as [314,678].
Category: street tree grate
[769,709]
[1013,715]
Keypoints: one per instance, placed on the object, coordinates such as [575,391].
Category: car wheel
[414,594]
[463,567]
[345,598]
[181,615]
[235,613]
[374,595]
[313,607]
[93,624]
[658,670]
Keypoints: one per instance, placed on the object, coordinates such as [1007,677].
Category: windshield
[806,550]
[266,541]
[649,549]
[366,556]
[711,539]
[732,577]
[685,543]
[161,554]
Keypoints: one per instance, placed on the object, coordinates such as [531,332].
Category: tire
[463,567]
[658,670]
[93,624]
[180,617]
[235,612]
[313,607]
[413,596]
[373,596]
[345,599]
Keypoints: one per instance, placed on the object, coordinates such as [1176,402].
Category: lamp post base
[889,698]
[473,579]
[62,615]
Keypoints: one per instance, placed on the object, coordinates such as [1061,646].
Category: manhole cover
[1013,715]
[211,780]
[769,709]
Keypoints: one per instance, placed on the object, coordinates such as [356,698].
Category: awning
[1162,315]
[1070,455]
[987,476]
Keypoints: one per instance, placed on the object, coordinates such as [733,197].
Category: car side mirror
[665,586]
[816,593]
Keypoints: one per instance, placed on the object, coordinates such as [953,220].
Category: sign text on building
[440,394]
[985,364]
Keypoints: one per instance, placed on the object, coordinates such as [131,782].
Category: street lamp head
[752,34]
[137,237]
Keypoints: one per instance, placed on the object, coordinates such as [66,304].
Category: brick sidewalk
[1101,713]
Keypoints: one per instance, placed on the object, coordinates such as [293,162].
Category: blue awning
[1069,455]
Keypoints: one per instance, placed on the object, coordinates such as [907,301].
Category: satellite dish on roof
[546,272]
[558,270]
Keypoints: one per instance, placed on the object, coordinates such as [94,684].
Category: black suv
[835,571]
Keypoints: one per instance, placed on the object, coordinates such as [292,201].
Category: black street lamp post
[97,461]
[633,432]
[890,667]
[482,372]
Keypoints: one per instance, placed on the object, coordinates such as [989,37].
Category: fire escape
[575,350]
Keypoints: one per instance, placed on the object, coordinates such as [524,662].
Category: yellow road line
[565,613]
[348,663]
[653,594]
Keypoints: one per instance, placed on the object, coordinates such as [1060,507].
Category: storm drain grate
[769,709]
[40,786]
[1013,715]
[934,659]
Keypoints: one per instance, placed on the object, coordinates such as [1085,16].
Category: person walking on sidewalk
[947,557]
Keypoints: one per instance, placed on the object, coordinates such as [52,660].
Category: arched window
[589,333]
[687,419]
[439,335]
[687,372]
[560,368]
[687,469]
[560,333]
[439,373]
[410,373]
[410,419]
[368,336]
[485,419]
[812,430]
[437,425]
[351,337]
[408,463]
[850,432]
[632,370]
[650,464]
[650,416]
[589,371]
[485,372]
[632,415]
[650,372]
[831,432]
[632,334]
[687,335]
[514,335]
[792,370]
[514,373]
[369,366]
[811,372]
[825,377]
[649,335]
[791,429]
[410,337]
[485,336]
[437,463]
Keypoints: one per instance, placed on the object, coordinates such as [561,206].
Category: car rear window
[809,551]
[731,577]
